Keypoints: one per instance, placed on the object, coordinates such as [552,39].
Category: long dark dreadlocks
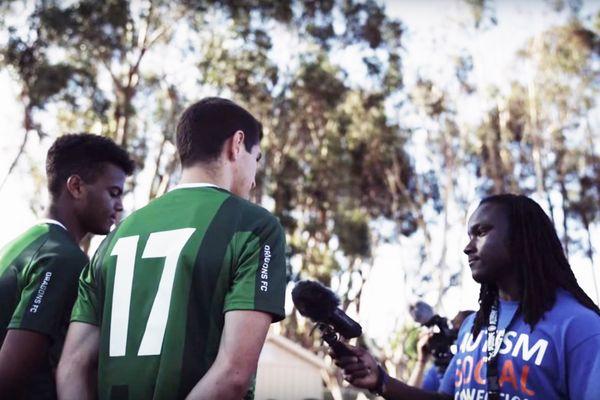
[533,244]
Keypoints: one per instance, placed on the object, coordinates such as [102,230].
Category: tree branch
[16,159]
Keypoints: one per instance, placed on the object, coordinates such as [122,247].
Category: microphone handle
[339,348]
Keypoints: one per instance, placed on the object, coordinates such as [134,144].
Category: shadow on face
[488,248]
[103,202]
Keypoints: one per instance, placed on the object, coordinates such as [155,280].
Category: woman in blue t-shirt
[536,334]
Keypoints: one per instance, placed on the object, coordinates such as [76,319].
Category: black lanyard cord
[493,387]
[495,337]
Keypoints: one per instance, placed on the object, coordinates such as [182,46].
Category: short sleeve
[259,278]
[447,384]
[49,290]
[583,370]
[86,308]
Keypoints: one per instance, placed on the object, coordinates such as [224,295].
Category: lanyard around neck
[493,387]
[493,338]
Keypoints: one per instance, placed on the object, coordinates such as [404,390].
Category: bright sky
[434,36]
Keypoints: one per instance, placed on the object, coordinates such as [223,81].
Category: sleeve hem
[277,314]
[29,328]
[79,318]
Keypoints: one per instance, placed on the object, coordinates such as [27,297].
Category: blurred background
[385,123]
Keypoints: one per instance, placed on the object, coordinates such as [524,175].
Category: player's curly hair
[85,155]
[545,268]
[204,127]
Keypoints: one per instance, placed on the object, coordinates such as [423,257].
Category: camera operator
[543,330]
[431,378]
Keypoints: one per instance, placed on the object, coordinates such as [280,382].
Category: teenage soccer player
[39,270]
[178,299]
[536,334]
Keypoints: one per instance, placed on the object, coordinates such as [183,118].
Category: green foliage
[337,166]
[538,138]
[334,161]
[568,50]
[89,25]
[352,230]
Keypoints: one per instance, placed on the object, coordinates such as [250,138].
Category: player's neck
[207,174]
[65,215]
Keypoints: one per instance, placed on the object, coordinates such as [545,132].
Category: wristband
[382,379]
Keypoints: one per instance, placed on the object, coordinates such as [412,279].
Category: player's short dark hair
[85,155]
[204,127]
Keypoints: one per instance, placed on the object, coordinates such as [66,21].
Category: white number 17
[166,244]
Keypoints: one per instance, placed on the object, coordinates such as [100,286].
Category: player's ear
[234,145]
[76,187]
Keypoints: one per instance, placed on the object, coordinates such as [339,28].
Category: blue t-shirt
[559,359]
[431,381]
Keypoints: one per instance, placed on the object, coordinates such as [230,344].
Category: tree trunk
[590,255]
[565,210]
[535,133]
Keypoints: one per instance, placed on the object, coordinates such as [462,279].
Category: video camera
[443,338]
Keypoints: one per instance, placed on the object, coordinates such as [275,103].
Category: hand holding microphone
[320,304]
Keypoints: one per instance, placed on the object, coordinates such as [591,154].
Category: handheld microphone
[320,304]
[440,343]
[421,312]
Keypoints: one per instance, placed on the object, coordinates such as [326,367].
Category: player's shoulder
[45,245]
[34,235]
[250,215]
[21,248]
[248,208]
[60,245]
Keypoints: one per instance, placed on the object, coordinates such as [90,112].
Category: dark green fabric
[39,271]
[217,271]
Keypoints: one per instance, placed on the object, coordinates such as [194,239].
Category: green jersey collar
[193,185]
[50,221]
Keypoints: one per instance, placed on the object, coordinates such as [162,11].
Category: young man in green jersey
[177,300]
[39,270]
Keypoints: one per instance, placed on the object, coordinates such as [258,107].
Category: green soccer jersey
[159,285]
[39,272]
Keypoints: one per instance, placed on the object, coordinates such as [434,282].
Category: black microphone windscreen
[315,301]
[346,326]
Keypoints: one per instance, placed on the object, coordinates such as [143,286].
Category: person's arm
[363,372]
[417,374]
[77,374]
[76,377]
[22,352]
[416,377]
[229,377]
[254,301]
